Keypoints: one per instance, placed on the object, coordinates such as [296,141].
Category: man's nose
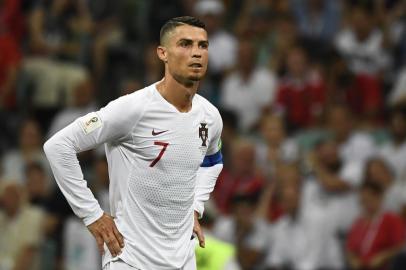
[196,53]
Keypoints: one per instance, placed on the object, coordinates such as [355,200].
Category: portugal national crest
[203,133]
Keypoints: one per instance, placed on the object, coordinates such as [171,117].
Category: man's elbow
[49,147]
[52,146]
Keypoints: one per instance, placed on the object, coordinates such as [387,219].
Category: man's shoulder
[207,105]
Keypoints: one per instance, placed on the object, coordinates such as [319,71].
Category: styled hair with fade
[178,21]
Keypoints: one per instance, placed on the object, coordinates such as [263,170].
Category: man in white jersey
[163,149]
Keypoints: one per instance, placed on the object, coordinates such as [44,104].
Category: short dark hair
[398,110]
[34,166]
[373,187]
[178,21]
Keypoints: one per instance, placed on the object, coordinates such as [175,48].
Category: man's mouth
[196,65]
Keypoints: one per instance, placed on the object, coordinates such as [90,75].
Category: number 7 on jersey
[161,153]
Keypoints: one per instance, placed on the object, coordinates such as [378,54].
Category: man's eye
[184,44]
[204,46]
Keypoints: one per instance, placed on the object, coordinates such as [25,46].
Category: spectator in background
[217,254]
[330,191]
[391,19]
[21,229]
[361,45]
[397,96]
[79,246]
[394,194]
[9,66]
[37,185]
[11,30]
[275,148]
[83,102]
[394,152]
[241,177]
[58,212]
[12,19]
[244,230]
[299,239]
[223,46]
[331,185]
[56,44]
[377,236]
[301,92]
[29,150]
[249,90]
[270,202]
[284,36]
[118,44]
[106,31]
[354,146]
[229,135]
[318,20]
[262,33]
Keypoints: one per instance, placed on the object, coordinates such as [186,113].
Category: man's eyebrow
[188,40]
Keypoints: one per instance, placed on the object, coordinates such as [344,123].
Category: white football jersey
[154,154]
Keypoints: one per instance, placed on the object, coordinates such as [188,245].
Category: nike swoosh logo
[157,133]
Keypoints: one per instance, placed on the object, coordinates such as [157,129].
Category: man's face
[327,154]
[290,198]
[185,52]
[340,123]
[10,199]
[273,130]
[398,124]
[370,201]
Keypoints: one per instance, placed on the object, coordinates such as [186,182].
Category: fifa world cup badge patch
[91,122]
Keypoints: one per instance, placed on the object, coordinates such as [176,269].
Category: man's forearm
[205,182]
[61,153]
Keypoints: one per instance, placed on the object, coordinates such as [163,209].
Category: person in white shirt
[249,90]
[163,150]
[329,190]
[300,239]
[223,44]
[394,151]
[361,43]
[397,95]
[354,146]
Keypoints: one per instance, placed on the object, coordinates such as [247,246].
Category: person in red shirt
[11,31]
[376,237]
[301,93]
[10,58]
[12,19]
[241,177]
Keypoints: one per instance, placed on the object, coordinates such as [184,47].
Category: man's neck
[178,94]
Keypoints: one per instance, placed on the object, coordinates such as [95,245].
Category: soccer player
[163,149]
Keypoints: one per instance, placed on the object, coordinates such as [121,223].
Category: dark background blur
[313,99]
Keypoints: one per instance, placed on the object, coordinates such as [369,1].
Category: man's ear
[162,53]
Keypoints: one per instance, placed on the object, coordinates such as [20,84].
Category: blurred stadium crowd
[313,99]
